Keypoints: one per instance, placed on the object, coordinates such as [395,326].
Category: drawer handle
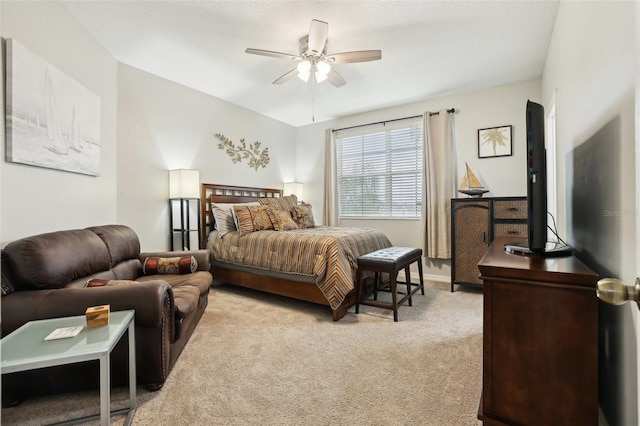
[513,209]
[512,232]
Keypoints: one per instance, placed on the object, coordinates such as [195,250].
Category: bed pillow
[281,219]
[280,203]
[252,218]
[224,221]
[229,206]
[169,265]
[224,217]
[303,215]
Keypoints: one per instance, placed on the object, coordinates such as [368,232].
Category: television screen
[537,191]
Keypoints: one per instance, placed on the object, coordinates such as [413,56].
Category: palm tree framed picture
[494,142]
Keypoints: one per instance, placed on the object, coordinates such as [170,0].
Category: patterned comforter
[329,254]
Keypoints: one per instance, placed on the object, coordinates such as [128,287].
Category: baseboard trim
[437,278]
[431,277]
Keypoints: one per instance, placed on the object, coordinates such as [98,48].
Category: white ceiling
[429,48]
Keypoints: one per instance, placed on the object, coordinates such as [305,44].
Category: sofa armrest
[201,255]
[151,300]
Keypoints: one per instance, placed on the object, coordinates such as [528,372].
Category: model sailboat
[471,185]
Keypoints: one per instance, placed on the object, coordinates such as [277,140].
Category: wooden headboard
[212,193]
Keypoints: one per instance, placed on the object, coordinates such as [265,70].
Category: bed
[314,264]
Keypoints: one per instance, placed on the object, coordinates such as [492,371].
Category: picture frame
[495,142]
[52,121]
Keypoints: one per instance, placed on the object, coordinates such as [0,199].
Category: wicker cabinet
[475,222]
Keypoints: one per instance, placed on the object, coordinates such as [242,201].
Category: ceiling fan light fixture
[304,66]
[323,68]
[304,70]
[312,57]
[322,71]
[304,76]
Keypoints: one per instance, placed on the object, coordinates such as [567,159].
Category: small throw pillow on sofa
[96,282]
[169,265]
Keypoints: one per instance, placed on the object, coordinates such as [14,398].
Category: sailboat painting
[471,185]
[52,120]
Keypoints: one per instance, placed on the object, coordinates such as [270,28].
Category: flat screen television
[537,190]
[536,178]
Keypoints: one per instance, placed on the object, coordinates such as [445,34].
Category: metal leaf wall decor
[256,157]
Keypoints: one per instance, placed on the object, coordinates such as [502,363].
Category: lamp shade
[184,183]
[294,188]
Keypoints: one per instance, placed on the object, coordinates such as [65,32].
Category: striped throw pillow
[251,219]
[281,203]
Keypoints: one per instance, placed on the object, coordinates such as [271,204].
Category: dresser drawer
[510,230]
[510,209]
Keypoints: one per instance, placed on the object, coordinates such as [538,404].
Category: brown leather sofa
[45,276]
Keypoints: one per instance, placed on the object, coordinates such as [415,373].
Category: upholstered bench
[389,260]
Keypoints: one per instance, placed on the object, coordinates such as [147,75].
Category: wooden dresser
[475,222]
[540,340]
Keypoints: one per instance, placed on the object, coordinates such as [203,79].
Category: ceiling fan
[313,62]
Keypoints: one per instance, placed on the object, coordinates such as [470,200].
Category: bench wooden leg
[358,289]
[376,278]
[407,276]
[420,275]
[394,295]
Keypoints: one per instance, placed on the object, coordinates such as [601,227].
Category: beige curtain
[439,183]
[330,216]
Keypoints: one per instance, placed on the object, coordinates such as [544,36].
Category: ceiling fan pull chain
[313,98]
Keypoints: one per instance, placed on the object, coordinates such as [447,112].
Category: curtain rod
[450,111]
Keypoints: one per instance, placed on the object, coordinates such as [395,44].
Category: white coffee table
[26,349]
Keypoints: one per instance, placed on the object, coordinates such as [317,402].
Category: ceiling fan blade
[317,36]
[358,56]
[272,54]
[286,77]
[335,79]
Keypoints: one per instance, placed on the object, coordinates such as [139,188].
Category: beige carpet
[258,359]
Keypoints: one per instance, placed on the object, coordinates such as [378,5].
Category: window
[379,171]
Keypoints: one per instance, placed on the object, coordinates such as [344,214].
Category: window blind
[379,171]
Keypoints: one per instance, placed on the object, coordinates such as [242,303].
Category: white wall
[591,63]
[503,176]
[35,199]
[163,126]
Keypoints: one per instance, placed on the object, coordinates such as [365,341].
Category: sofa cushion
[200,279]
[186,289]
[127,269]
[82,281]
[52,260]
[186,302]
[121,241]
